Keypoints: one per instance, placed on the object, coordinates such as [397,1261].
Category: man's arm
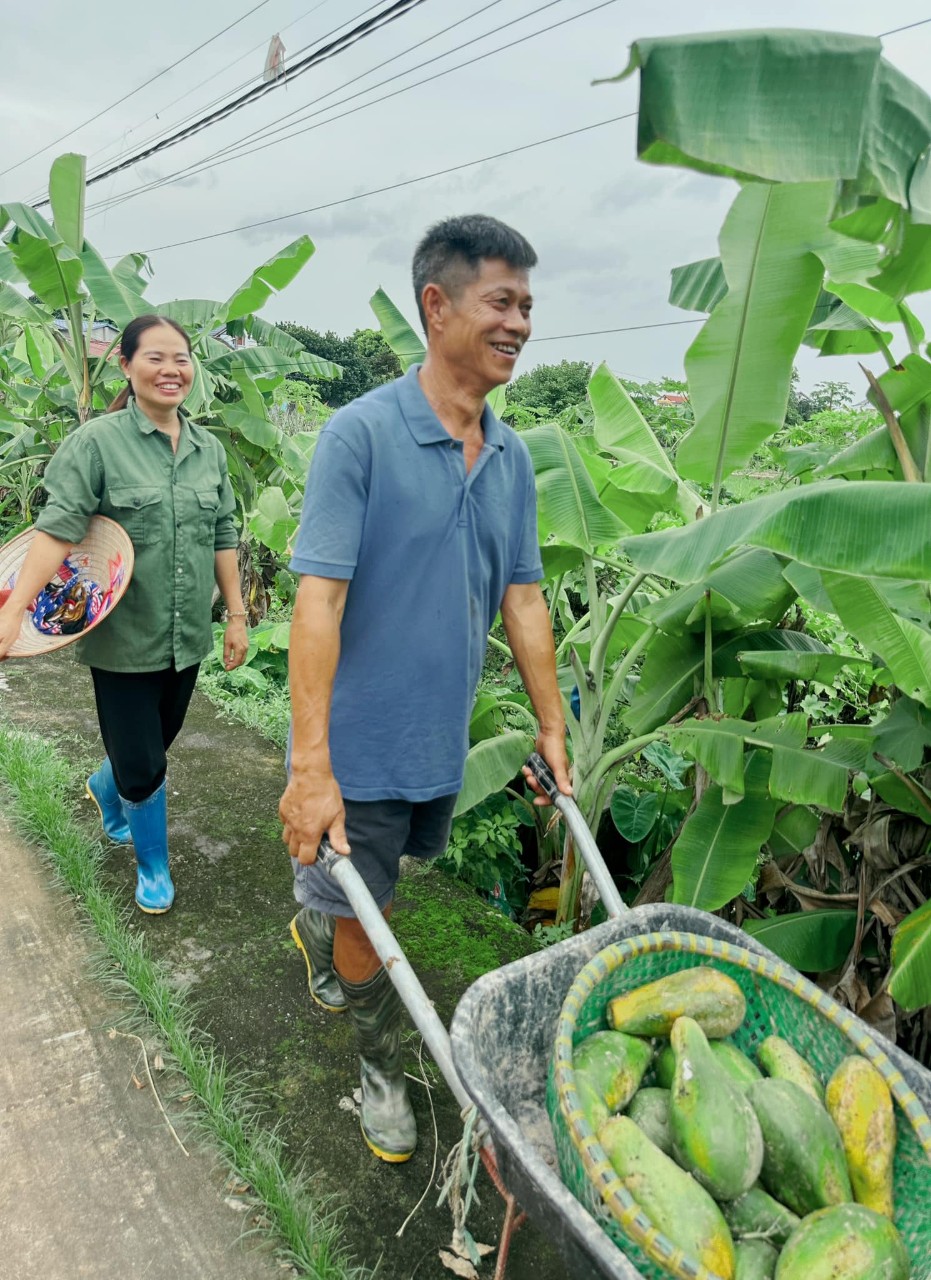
[312,803]
[527,624]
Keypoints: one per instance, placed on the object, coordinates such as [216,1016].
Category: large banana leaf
[270,278]
[568,504]
[490,765]
[634,491]
[698,286]
[784,106]
[395,330]
[778,664]
[903,645]
[910,985]
[872,456]
[52,270]
[14,305]
[748,587]
[673,666]
[717,850]
[740,366]
[865,529]
[111,295]
[621,429]
[810,941]
[66,196]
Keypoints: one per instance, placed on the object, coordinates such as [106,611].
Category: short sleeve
[528,566]
[333,515]
[73,481]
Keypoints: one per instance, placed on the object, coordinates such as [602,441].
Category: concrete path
[92,1183]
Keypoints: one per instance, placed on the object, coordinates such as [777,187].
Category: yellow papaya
[715,1133]
[804,1165]
[754,1260]
[860,1104]
[844,1242]
[649,1109]
[780,1061]
[730,1059]
[757,1214]
[614,1064]
[673,1201]
[713,999]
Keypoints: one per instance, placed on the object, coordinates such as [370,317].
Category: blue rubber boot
[148,822]
[101,787]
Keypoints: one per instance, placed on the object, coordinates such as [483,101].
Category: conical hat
[99,567]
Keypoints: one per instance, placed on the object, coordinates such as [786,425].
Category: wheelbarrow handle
[581,835]
[389,951]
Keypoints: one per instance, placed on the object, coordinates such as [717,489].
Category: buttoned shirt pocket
[208,505]
[138,508]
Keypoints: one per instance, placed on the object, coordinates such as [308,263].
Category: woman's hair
[129,345]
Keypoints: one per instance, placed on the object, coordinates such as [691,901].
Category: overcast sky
[607,228]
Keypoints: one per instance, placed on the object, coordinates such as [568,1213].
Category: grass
[269,712]
[224,1104]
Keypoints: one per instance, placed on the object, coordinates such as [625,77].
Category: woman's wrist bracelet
[237,614]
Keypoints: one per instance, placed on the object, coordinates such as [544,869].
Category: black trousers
[140,714]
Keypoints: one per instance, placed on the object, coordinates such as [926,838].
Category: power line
[193,169]
[243,146]
[628,328]
[895,30]
[248,14]
[396,10]
[395,186]
[162,132]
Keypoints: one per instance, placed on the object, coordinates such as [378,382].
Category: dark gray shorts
[379,833]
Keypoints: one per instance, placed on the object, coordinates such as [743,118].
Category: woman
[164,479]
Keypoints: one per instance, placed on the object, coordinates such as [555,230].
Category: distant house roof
[672,397]
[97,348]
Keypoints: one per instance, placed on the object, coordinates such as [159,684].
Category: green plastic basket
[779,1002]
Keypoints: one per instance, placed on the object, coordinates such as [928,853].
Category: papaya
[649,1108]
[756,1213]
[780,1061]
[715,1133]
[614,1064]
[804,1165]
[673,1201]
[860,1104]
[754,1260]
[844,1242]
[730,1059]
[710,997]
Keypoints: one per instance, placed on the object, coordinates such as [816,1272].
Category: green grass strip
[41,781]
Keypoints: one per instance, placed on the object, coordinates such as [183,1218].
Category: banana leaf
[395,330]
[567,501]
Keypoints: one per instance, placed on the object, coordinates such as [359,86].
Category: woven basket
[779,1002]
[104,557]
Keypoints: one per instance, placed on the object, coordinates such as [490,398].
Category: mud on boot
[387,1118]
[313,933]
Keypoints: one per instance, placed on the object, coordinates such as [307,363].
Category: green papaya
[715,1133]
[860,1104]
[614,1064]
[780,1061]
[737,1065]
[649,1109]
[844,1242]
[804,1165]
[673,1201]
[713,999]
[756,1213]
[754,1260]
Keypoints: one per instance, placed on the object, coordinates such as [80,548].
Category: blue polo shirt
[429,552]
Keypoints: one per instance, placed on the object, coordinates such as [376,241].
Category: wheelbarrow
[497,1055]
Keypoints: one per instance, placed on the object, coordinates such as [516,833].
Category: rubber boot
[313,932]
[148,822]
[101,787]
[388,1124]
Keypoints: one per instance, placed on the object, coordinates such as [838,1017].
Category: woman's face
[161,371]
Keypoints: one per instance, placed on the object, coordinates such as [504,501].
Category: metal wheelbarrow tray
[502,1042]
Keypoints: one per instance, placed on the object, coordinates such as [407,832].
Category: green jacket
[178,510]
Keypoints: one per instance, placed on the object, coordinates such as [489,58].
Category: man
[419,524]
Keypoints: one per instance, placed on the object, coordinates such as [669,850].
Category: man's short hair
[452,251]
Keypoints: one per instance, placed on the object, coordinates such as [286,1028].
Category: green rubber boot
[388,1124]
[313,932]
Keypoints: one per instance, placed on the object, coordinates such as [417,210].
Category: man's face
[486,323]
